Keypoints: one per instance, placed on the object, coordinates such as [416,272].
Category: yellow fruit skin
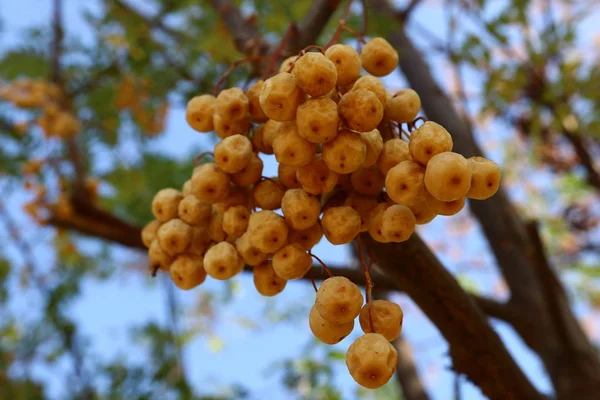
[378,57]
[393,153]
[398,223]
[199,113]
[427,141]
[318,120]
[315,74]
[361,109]
[339,301]
[280,97]
[266,281]
[448,176]
[341,224]
[371,360]
[345,153]
[387,318]
[222,261]
[346,61]
[187,271]
[326,331]
[485,178]
[403,106]
[404,183]
[291,262]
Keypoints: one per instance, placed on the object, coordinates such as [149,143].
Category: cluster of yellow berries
[45,96]
[338,176]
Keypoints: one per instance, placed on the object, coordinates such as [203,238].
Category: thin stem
[338,32]
[312,279]
[229,70]
[199,156]
[154,270]
[322,263]
[369,282]
[365,21]
[277,52]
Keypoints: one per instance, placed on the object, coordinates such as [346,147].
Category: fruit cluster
[47,97]
[343,168]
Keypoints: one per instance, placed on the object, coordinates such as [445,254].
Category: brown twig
[233,66]
[338,32]
[201,155]
[322,263]
[312,279]
[279,49]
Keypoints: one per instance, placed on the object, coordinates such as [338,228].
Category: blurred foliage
[138,60]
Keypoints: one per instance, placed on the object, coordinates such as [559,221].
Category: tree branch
[475,348]
[313,23]
[586,160]
[502,311]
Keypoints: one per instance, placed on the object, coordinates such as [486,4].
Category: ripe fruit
[446,208]
[404,183]
[371,360]
[200,240]
[367,181]
[193,212]
[485,178]
[398,223]
[427,141]
[210,184]
[394,152]
[268,231]
[174,236]
[149,232]
[165,204]
[250,174]
[301,210]
[287,63]
[386,316]
[280,97]
[238,196]
[373,85]
[374,144]
[232,105]
[266,281]
[318,120]
[325,331]
[222,261]
[340,224]
[254,109]
[422,212]
[307,238]
[158,256]
[291,149]
[187,271]
[376,223]
[363,205]
[233,153]
[316,178]
[345,153]
[291,262]
[287,176]
[378,57]
[250,254]
[235,221]
[315,74]
[448,176]
[215,227]
[225,128]
[199,112]
[267,195]
[338,300]
[346,61]
[403,106]
[361,110]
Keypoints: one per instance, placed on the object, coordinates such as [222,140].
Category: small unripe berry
[233,153]
[398,223]
[373,85]
[307,238]
[394,152]
[339,300]
[386,316]
[374,143]
[232,105]
[316,178]
[376,223]
[340,224]
[174,236]
[346,61]
[158,256]
[371,360]
[225,128]
[448,176]
[253,94]
[287,176]
[403,106]
[267,195]
[301,210]
[222,261]
[404,183]
[364,206]
[149,232]
[367,181]
[235,221]
[378,57]
[268,231]
[427,141]
[187,271]
[266,281]
[200,240]
[165,204]
[210,184]
[361,109]
[318,120]
[325,331]
[315,74]
[345,153]
[215,227]
[250,174]
[291,262]
[193,212]
[280,97]
[291,149]
[199,112]
[250,254]
[485,178]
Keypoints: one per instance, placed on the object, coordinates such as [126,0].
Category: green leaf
[18,63]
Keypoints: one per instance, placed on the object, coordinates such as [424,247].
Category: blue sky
[107,309]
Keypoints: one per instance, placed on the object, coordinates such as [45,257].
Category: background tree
[518,79]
